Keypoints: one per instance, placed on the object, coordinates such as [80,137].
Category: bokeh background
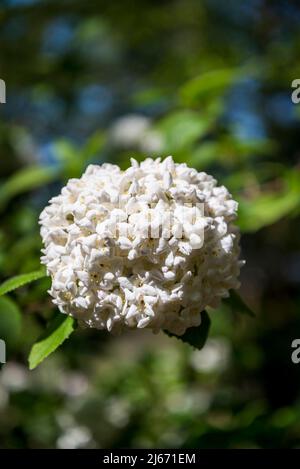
[210,83]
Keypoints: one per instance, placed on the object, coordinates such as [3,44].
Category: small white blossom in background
[134,131]
[214,357]
[75,438]
[110,272]
[117,412]
[73,384]
[182,401]
[15,377]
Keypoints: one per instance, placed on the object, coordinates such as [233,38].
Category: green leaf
[268,208]
[24,180]
[237,304]
[93,146]
[10,320]
[148,96]
[208,85]
[20,280]
[58,330]
[75,159]
[65,150]
[204,155]
[195,336]
[182,128]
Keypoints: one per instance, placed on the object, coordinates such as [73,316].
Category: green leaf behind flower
[20,280]
[195,336]
[10,321]
[24,180]
[237,304]
[207,85]
[58,330]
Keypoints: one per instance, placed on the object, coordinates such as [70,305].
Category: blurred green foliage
[210,83]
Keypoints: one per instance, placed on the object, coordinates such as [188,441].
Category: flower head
[151,246]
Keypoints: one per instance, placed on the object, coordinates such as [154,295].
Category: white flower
[214,357]
[151,246]
[133,131]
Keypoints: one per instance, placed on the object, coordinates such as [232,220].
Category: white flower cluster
[121,255]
